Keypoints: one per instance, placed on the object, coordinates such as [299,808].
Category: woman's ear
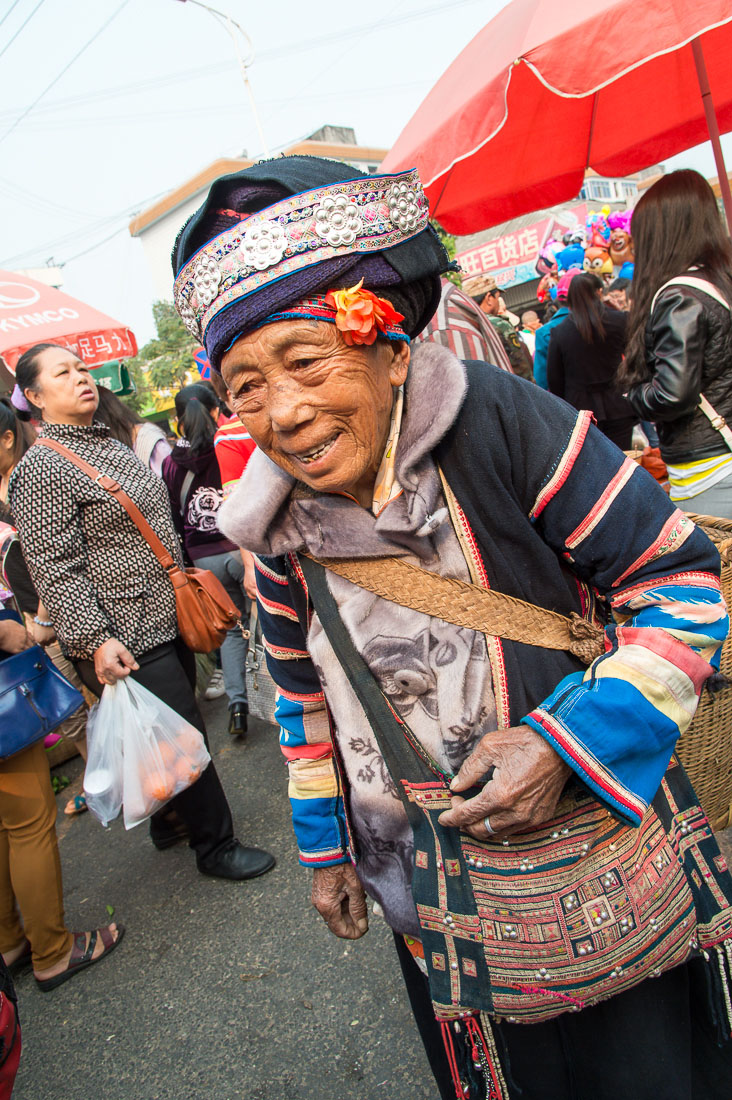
[34,397]
[402,353]
[7,440]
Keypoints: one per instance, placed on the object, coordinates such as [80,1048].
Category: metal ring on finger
[489,827]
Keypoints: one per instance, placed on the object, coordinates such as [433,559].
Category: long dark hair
[119,418]
[193,406]
[23,434]
[585,305]
[676,225]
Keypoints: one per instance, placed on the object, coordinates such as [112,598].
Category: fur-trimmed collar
[271,513]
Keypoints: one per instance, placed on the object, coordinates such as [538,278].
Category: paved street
[220,991]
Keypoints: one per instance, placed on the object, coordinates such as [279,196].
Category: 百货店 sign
[511,258]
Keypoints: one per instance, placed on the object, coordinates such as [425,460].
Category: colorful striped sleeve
[617,723]
[305,737]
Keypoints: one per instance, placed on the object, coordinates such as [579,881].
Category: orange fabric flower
[360,315]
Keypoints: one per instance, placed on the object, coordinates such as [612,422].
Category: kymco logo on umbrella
[17,295]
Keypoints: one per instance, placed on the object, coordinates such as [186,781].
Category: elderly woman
[401,470]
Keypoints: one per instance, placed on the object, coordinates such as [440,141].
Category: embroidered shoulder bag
[558,917]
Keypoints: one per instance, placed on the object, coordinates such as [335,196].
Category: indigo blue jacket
[551,512]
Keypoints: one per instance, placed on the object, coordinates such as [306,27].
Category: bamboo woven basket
[705,749]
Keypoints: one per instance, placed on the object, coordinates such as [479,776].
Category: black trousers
[619,431]
[650,1043]
[169,671]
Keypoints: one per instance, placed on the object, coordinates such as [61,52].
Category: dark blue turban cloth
[408,274]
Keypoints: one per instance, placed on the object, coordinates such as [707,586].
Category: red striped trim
[590,765]
[298,571]
[316,697]
[307,752]
[284,653]
[602,505]
[694,580]
[326,856]
[270,574]
[494,645]
[277,608]
[675,530]
[662,643]
[565,464]
[472,546]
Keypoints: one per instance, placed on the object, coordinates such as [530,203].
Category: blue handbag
[34,699]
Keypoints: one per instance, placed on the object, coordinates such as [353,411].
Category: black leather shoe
[238,720]
[237,862]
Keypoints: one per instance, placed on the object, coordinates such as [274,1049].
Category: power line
[39,202]
[25,22]
[92,247]
[77,234]
[65,69]
[205,109]
[272,54]
[9,11]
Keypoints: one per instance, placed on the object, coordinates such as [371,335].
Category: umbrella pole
[713,127]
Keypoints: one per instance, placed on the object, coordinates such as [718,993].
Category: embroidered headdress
[302,236]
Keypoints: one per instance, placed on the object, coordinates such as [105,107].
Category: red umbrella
[548,89]
[33,313]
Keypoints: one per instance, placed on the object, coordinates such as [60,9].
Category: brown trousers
[30,868]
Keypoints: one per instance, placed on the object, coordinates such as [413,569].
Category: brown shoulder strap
[469,605]
[161,553]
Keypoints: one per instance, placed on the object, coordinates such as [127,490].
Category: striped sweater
[549,511]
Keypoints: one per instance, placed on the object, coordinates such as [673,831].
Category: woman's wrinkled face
[317,407]
[64,391]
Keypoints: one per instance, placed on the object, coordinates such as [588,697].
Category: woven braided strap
[468,605]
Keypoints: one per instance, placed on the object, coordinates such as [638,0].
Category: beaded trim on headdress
[367,214]
[358,314]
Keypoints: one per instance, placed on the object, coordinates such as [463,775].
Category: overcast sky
[157,94]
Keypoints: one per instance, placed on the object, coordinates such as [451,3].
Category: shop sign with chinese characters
[511,259]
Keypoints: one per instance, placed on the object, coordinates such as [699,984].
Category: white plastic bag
[103,775]
[149,752]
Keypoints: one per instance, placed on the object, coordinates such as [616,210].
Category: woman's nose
[289,407]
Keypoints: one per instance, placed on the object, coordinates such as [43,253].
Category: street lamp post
[229,25]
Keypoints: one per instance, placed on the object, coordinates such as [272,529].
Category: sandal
[81,955]
[77,805]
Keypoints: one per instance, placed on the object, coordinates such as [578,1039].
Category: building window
[629,189]
[601,189]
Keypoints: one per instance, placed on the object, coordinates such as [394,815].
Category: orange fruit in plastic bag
[158,785]
[189,742]
[167,753]
[186,771]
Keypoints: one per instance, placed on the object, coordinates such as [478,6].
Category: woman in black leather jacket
[680,336]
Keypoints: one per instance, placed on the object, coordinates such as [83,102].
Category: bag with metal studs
[261,688]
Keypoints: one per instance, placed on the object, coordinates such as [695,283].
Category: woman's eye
[302,364]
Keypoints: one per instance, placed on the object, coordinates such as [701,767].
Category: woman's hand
[339,897]
[249,582]
[13,636]
[39,635]
[527,781]
[113,661]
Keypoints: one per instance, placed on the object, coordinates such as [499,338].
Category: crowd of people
[375,441]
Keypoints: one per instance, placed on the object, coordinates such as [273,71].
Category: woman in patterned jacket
[306,283]
[108,597]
